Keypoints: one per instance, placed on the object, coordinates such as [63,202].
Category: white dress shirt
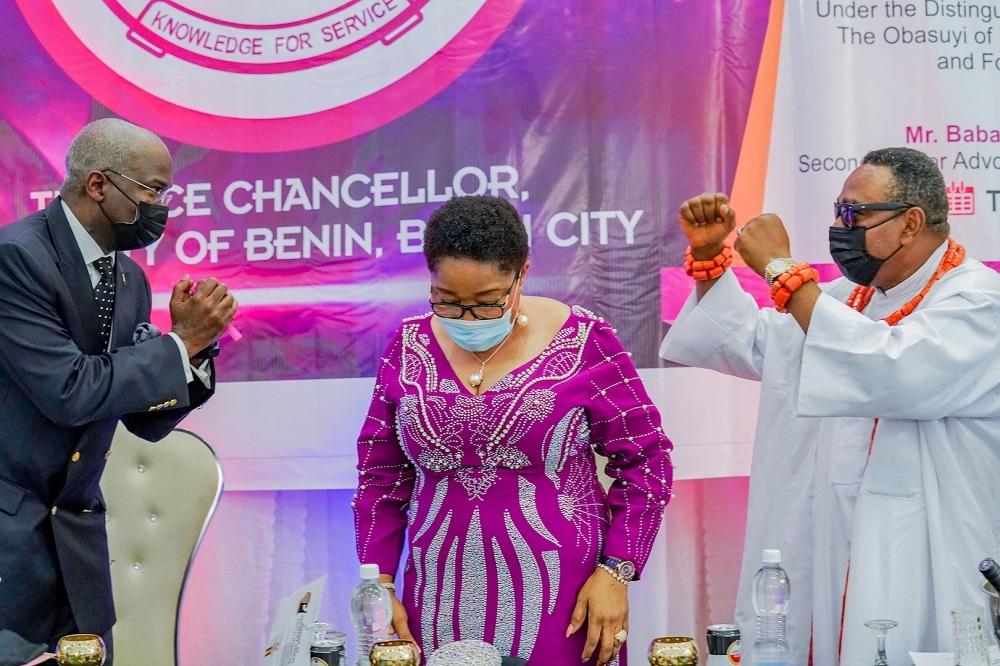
[91,252]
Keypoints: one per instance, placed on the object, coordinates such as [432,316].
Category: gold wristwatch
[776,267]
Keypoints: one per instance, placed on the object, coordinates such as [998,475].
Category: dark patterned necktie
[104,297]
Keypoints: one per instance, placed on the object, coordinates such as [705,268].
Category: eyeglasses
[447,310]
[161,195]
[845,211]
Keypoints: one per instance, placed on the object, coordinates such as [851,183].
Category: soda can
[329,652]
[723,645]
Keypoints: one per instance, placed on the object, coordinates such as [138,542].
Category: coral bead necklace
[862,295]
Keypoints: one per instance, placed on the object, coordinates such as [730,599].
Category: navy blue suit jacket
[61,398]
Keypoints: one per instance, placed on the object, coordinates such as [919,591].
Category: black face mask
[145,229]
[149,224]
[850,252]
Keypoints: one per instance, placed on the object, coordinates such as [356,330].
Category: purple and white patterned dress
[499,492]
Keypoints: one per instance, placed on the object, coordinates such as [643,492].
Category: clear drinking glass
[881,628]
[327,646]
[969,636]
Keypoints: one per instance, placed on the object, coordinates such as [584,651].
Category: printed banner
[261,76]
[312,140]
[856,76]
[595,143]
[166,27]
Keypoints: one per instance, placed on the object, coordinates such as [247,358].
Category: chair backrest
[159,497]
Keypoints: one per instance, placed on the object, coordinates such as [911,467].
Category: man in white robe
[876,463]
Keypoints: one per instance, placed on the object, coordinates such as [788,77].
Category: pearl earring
[522,320]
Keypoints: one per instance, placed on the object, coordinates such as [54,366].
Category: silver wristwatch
[776,267]
[623,570]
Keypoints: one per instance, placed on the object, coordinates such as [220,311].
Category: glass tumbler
[969,636]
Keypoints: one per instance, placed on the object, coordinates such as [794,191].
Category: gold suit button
[76,456]
[54,509]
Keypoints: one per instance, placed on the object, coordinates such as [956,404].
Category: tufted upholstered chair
[160,498]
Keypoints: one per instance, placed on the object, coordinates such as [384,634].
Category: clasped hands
[708,219]
[200,313]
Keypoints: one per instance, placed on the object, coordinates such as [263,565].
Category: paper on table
[933,658]
[288,642]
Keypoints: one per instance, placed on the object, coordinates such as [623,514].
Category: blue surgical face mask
[476,335]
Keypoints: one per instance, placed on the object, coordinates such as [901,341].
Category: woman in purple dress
[480,446]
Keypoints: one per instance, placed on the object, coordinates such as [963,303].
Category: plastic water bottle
[771,592]
[371,609]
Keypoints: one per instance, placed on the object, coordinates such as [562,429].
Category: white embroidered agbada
[912,519]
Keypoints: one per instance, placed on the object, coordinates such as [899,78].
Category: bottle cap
[772,556]
[369,572]
[721,638]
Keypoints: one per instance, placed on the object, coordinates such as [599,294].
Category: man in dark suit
[74,361]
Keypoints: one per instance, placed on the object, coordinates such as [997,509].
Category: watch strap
[623,570]
[776,267]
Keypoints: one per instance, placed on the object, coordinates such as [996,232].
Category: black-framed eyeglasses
[161,195]
[448,310]
[845,211]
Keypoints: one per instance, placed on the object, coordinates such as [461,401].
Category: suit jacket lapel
[124,315]
[74,272]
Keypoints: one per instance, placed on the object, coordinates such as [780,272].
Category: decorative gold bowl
[673,651]
[394,653]
[81,650]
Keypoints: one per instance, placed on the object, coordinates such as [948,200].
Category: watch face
[626,570]
[776,267]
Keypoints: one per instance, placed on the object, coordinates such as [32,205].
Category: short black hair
[918,181]
[481,228]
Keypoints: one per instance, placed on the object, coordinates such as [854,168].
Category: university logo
[259,75]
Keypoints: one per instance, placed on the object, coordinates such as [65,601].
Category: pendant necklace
[476,378]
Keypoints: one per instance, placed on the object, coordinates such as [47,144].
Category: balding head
[109,143]
[104,148]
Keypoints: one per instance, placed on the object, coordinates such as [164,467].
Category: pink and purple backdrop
[597,118]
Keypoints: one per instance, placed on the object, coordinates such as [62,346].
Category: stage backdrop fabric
[312,140]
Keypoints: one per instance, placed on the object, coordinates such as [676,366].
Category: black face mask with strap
[149,224]
[145,229]
[850,252]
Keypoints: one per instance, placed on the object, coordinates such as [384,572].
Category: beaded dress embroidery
[498,493]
